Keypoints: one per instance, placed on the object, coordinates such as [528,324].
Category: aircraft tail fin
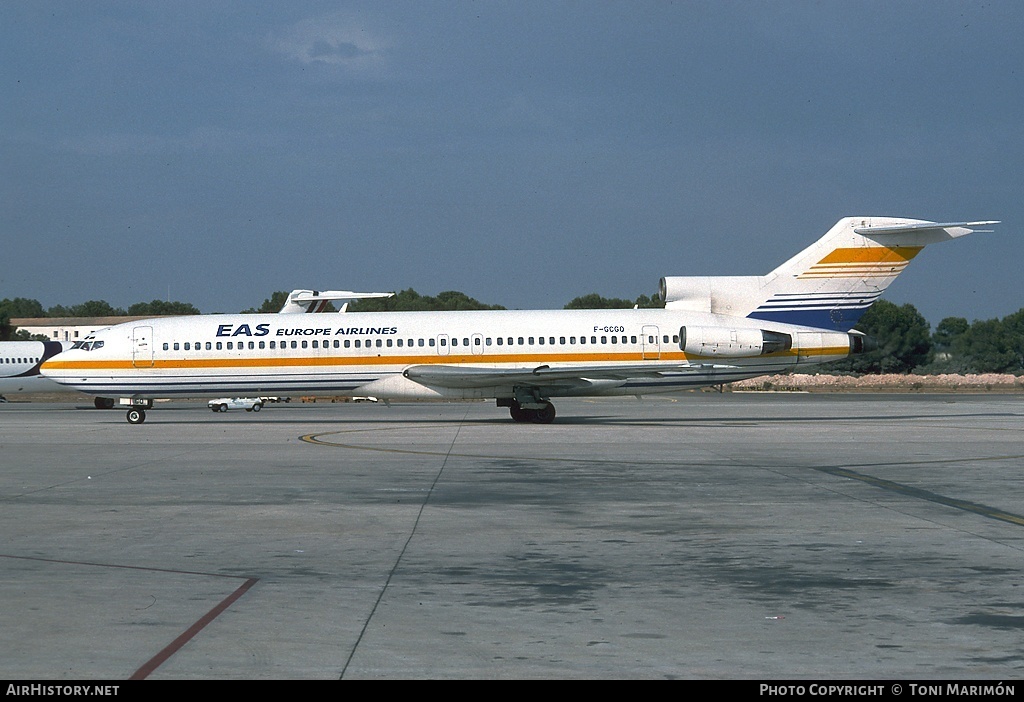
[828,285]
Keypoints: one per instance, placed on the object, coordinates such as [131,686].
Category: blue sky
[521,152]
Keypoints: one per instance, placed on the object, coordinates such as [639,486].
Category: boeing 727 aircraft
[712,330]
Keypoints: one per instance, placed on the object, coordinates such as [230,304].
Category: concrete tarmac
[699,536]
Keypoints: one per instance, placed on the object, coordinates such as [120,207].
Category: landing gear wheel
[519,414]
[103,402]
[544,416]
[136,415]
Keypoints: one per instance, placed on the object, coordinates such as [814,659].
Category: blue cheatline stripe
[838,319]
[823,298]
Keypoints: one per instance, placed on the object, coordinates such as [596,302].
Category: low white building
[68,328]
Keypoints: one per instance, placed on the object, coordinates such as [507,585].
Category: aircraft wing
[543,376]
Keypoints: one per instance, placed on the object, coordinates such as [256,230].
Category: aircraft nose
[48,367]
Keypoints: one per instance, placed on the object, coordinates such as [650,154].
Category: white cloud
[334,40]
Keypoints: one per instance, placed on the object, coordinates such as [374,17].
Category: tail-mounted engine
[732,343]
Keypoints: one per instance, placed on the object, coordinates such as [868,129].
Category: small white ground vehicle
[223,404]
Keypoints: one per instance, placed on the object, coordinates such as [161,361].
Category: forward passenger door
[142,347]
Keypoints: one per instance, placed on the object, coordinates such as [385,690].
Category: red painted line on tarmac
[176,645]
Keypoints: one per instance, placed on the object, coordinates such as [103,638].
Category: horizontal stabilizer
[923,227]
[307,301]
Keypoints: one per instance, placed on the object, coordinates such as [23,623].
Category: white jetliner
[20,362]
[713,330]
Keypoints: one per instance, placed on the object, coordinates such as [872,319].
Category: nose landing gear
[136,409]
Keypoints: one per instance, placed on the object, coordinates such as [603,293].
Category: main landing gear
[542,412]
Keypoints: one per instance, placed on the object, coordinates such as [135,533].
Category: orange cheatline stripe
[872,254]
[886,272]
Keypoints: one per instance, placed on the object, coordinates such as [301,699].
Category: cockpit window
[88,344]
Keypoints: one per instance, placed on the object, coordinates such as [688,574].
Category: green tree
[22,307]
[159,307]
[410,300]
[6,330]
[92,308]
[986,346]
[944,340]
[652,302]
[903,337]
[593,301]
[991,346]
[948,331]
